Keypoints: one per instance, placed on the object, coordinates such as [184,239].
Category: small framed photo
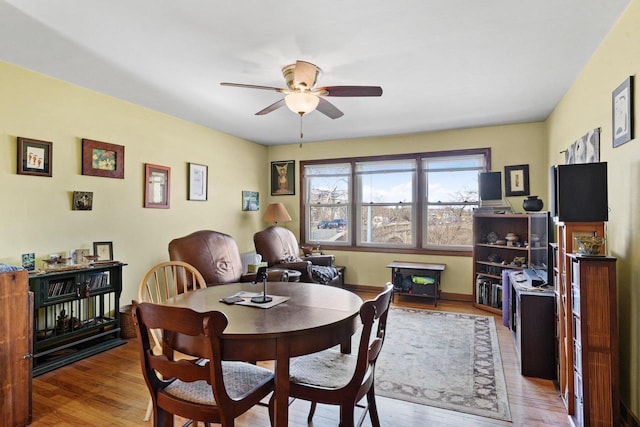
[198,181]
[29,261]
[82,201]
[103,250]
[157,181]
[34,157]
[250,201]
[102,159]
[516,180]
[623,112]
[283,178]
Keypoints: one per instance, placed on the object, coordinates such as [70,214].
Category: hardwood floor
[108,390]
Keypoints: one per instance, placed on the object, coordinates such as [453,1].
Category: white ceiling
[441,64]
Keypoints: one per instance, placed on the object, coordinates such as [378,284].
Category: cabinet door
[15,344]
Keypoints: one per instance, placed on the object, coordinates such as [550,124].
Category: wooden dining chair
[164,281]
[203,388]
[334,378]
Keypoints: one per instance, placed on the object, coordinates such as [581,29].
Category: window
[386,212]
[327,192]
[451,193]
[408,202]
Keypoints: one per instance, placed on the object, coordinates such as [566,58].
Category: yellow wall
[36,213]
[510,145]
[587,105]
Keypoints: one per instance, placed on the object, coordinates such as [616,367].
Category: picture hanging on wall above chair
[283,175]
[250,201]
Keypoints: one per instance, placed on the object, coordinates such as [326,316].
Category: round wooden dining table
[313,318]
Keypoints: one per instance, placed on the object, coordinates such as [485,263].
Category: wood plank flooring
[108,390]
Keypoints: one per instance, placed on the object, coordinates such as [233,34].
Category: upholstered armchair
[279,248]
[216,256]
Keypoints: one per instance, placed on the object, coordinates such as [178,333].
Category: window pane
[329,224]
[328,169]
[452,186]
[386,181]
[387,188]
[328,190]
[475,162]
[388,225]
[449,225]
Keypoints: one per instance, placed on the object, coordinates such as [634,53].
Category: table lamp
[276,212]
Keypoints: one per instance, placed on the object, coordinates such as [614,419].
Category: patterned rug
[447,360]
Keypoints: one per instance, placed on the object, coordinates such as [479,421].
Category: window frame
[419,202]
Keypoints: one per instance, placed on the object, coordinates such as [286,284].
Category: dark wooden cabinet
[15,348]
[595,341]
[76,314]
[566,232]
[493,253]
[532,322]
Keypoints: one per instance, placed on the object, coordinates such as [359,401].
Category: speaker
[490,185]
[553,194]
[579,192]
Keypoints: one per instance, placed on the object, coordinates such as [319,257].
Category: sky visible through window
[396,187]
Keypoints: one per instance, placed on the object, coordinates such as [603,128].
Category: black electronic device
[490,184]
[579,192]
[535,277]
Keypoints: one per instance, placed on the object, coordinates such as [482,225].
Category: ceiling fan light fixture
[301,102]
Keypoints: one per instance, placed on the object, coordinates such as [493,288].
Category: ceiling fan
[302,96]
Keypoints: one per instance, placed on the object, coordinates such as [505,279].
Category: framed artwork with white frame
[623,112]
[198,181]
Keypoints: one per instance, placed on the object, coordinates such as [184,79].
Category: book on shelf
[488,292]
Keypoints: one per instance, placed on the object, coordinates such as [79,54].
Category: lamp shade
[301,102]
[276,212]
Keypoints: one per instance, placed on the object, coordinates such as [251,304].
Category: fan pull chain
[301,134]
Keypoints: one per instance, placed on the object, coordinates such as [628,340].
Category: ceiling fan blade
[271,108]
[276,89]
[328,109]
[349,91]
[305,73]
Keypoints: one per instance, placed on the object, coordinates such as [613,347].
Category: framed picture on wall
[623,112]
[198,185]
[34,157]
[157,180]
[102,159]
[82,201]
[250,201]
[283,178]
[516,180]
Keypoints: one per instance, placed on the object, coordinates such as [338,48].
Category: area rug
[447,360]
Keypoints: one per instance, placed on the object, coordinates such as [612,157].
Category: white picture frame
[198,182]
